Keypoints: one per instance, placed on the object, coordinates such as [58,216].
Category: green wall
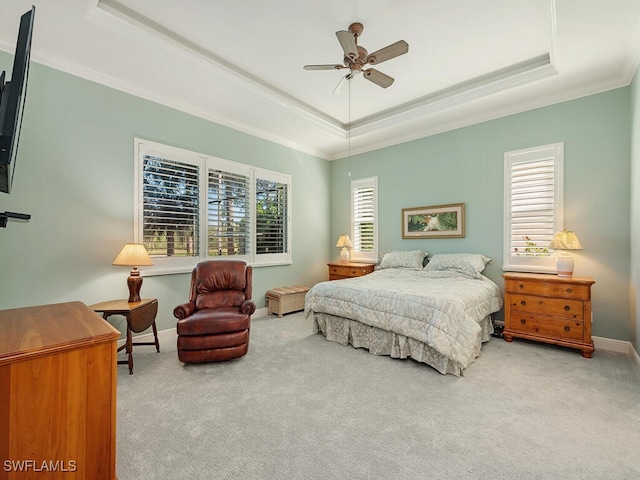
[466,165]
[635,211]
[74,175]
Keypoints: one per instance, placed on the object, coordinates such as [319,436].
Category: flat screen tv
[12,98]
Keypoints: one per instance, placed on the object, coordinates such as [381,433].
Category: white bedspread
[439,309]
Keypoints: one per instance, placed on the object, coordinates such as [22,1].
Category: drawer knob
[521,286]
[567,308]
[569,290]
[523,321]
[567,329]
[523,303]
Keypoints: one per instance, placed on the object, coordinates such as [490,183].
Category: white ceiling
[239,62]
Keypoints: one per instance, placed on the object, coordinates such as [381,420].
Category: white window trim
[357,256]
[163,265]
[532,264]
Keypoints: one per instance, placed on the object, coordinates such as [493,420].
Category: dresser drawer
[557,307]
[551,327]
[548,289]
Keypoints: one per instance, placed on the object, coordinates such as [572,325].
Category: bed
[439,314]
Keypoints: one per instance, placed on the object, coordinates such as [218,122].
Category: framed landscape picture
[438,221]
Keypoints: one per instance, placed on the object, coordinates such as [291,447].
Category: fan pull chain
[349,130]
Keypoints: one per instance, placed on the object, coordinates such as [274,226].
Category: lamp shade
[133,255]
[565,240]
[344,241]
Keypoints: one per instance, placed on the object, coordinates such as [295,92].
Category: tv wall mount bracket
[4,217]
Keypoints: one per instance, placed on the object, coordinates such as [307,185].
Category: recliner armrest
[184,310]
[248,307]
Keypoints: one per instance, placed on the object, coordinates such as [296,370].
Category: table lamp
[345,242]
[133,255]
[562,241]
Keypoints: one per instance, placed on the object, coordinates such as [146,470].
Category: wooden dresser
[339,270]
[550,309]
[57,393]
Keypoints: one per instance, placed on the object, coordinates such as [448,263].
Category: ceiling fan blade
[381,79]
[387,53]
[323,67]
[348,43]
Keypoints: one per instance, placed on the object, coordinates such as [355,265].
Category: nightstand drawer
[547,326]
[346,271]
[558,307]
[350,270]
[548,289]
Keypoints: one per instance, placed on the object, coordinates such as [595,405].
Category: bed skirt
[382,342]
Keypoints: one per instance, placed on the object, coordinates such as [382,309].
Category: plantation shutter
[170,206]
[364,221]
[271,216]
[533,206]
[228,213]
[191,207]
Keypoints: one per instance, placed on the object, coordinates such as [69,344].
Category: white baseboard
[169,336]
[619,346]
[261,312]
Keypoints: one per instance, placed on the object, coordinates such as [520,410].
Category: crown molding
[522,73]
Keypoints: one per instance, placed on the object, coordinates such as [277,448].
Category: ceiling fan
[357,57]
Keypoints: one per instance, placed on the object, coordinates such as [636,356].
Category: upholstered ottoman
[286,299]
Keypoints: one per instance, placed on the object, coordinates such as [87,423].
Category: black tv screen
[12,98]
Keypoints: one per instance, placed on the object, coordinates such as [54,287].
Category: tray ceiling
[239,63]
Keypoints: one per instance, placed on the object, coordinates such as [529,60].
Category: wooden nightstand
[340,270]
[550,309]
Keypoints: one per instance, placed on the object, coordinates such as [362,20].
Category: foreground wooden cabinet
[550,309]
[57,393]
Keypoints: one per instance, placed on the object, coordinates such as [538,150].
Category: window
[192,207]
[364,219]
[533,206]
[228,209]
[272,207]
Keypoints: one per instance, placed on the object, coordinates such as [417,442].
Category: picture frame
[437,221]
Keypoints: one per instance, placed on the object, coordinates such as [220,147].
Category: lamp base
[344,255]
[564,265]
[134,282]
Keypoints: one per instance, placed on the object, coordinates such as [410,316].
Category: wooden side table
[140,316]
[550,309]
[339,270]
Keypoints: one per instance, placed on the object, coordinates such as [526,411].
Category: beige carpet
[299,407]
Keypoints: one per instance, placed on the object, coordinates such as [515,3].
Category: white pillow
[471,264]
[397,259]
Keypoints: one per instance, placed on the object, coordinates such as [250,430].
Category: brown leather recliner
[213,326]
